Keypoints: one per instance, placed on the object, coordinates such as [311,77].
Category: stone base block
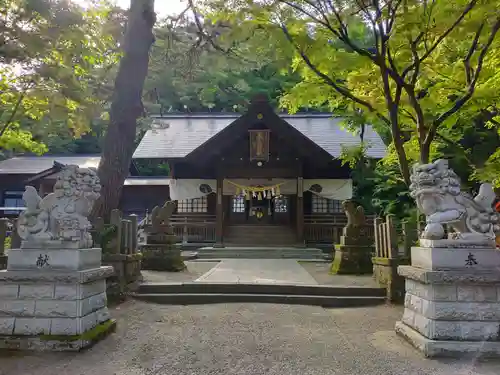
[435,259]
[42,342]
[452,312]
[350,259]
[54,259]
[162,258]
[440,348]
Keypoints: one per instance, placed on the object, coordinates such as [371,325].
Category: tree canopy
[414,69]
[55,58]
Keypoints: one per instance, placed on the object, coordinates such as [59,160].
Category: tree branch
[472,86]
[438,41]
[209,38]
[16,108]
[341,90]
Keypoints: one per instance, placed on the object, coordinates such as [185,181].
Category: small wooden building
[258,177]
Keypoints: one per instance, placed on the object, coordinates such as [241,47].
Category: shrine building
[257,178]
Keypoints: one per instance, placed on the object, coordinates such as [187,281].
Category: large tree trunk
[126,106]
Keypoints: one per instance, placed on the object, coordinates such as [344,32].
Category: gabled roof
[175,136]
[39,164]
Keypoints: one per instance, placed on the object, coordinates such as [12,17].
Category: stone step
[257,288]
[269,255]
[310,300]
[260,252]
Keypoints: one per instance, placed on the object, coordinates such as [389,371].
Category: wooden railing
[327,229]
[392,243]
[194,227]
[392,249]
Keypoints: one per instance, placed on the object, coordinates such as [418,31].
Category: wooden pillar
[300,212]
[219,215]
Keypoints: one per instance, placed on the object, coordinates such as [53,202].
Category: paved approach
[246,339]
[264,271]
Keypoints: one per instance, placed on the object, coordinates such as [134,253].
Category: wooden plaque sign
[259,144]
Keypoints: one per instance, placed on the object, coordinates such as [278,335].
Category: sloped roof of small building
[38,164]
[175,136]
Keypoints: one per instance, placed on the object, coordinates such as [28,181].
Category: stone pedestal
[53,299]
[452,302]
[3,261]
[127,274]
[160,253]
[352,257]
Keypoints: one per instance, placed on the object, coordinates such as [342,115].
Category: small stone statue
[356,219]
[436,189]
[62,215]
[160,217]
[33,223]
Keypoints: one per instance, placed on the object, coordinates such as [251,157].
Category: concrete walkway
[260,271]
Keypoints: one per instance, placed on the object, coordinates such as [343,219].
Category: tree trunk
[126,106]
[425,152]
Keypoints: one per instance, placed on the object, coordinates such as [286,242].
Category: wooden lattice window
[196,205]
[336,206]
[281,204]
[319,204]
[322,205]
[239,204]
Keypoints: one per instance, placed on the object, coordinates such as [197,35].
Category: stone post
[133,232]
[4,223]
[15,240]
[116,220]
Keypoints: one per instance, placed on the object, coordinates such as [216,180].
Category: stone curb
[198,298]
[249,288]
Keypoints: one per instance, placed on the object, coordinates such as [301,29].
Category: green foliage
[7,243]
[147,167]
[104,236]
[187,76]
[54,64]
[411,69]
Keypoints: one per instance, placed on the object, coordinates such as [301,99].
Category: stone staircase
[259,235]
[208,293]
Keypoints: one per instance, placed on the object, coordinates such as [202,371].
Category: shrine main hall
[257,178]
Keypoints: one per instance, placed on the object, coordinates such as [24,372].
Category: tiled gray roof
[177,135]
[37,164]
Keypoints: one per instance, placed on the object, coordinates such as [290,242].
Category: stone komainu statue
[356,219]
[160,217]
[63,214]
[436,189]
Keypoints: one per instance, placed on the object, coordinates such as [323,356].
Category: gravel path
[194,270]
[320,272]
[245,339]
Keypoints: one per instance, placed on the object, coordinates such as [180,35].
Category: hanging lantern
[278,192]
[259,196]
